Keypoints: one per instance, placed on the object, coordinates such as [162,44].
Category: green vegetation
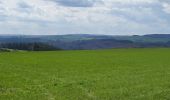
[8,47]
[10,50]
[143,39]
[118,74]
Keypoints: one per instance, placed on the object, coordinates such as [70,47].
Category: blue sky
[112,17]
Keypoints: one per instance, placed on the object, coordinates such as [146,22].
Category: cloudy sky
[113,17]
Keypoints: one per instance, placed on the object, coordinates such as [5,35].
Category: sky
[109,17]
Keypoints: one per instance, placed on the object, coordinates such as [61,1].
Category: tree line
[29,46]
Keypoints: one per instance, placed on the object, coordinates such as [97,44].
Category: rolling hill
[86,41]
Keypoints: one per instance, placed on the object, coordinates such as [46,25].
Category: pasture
[116,74]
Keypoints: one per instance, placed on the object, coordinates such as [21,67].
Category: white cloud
[86,16]
[166,7]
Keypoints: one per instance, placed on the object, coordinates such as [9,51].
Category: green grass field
[118,74]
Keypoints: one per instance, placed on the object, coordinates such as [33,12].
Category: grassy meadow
[116,74]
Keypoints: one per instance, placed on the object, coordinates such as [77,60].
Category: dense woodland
[29,46]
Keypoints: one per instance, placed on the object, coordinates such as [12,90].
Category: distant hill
[158,36]
[86,41]
[151,38]
[95,44]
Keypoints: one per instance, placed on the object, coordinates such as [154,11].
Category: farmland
[115,74]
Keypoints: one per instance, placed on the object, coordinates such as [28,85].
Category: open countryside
[116,74]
